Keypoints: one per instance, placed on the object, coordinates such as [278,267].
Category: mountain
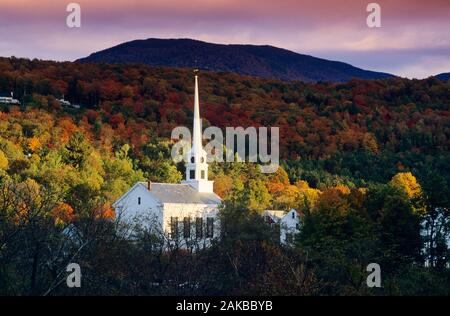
[259,61]
[444,76]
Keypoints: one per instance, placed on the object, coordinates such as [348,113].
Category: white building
[64,102]
[185,213]
[8,99]
[289,223]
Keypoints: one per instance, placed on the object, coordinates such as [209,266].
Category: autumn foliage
[366,164]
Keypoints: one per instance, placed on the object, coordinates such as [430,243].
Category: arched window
[192,159]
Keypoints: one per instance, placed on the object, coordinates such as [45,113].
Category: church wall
[148,211]
[192,211]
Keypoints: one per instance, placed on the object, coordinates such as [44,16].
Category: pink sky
[413,41]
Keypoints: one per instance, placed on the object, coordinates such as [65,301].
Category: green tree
[397,226]
[76,150]
[340,242]
[258,196]
[157,163]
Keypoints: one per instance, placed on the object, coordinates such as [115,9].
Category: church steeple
[196,167]
[197,130]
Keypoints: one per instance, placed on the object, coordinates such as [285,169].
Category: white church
[186,213]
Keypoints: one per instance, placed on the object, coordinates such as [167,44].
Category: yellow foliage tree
[307,197]
[223,185]
[343,189]
[286,198]
[34,143]
[406,182]
[301,184]
[3,161]
[334,199]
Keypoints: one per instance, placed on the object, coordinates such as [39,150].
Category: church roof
[181,193]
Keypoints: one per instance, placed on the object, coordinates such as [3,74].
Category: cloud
[413,31]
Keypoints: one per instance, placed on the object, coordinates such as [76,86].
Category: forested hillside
[366,162]
[444,76]
[336,128]
[256,60]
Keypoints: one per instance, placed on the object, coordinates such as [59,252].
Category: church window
[186,227]
[174,227]
[202,159]
[192,159]
[139,200]
[209,227]
[192,174]
[203,174]
[199,227]
[293,214]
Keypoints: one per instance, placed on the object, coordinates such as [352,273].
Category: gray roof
[181,193]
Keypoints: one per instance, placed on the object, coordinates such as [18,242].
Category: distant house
[64,102]
[68,104]
[272,217]
[289,223]
[8,98]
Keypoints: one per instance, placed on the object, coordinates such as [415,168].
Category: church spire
[197,131]
[196,167]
